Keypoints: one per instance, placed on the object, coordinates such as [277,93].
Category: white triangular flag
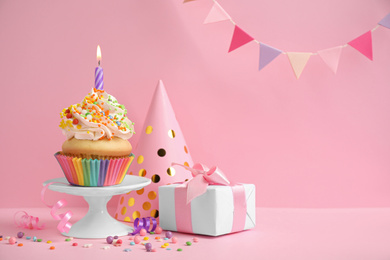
[216,14]
[298,61]
[331,57]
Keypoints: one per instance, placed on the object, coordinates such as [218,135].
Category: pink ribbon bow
[202,178]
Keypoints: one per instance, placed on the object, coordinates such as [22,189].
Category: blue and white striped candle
[99,84]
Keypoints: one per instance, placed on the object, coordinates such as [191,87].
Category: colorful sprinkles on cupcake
[98,116]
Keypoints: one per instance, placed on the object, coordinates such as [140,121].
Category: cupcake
[96,152]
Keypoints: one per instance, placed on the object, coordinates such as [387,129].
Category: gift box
[219,210]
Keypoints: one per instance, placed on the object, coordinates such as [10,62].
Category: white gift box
[211,213]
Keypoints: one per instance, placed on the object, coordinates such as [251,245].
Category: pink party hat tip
[161,143]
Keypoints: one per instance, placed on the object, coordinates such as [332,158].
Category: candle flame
[98,54]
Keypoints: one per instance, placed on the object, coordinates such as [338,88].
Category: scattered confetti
[115,241]
[158,230]
[142,232]
[137,239]
[12,240]
[148,247]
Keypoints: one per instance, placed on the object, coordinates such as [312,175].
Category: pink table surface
[280,234]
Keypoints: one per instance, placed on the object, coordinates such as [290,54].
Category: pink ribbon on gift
[202,178]
[64,225]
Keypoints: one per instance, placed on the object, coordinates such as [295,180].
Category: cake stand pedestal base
[98,223]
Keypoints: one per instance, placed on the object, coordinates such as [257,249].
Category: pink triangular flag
[331,57]
[298,61]
[385,21]
[239,38]
[216,14]
[267,54]
[363,44]
[161,143]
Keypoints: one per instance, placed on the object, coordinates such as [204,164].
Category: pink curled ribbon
[144,223]
[202,178]
[64,225]
[27,221]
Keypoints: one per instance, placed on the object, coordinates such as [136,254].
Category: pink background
[320,141]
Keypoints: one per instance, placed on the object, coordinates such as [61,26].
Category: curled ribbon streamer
[144,223]
[64,225]
[27,221]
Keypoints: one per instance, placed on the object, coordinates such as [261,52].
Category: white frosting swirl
[99,115]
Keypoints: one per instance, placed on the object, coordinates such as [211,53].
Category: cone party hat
[161,143]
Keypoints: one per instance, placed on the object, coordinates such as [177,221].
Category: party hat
[161,143]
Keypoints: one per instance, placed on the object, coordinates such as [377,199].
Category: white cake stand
[97,223]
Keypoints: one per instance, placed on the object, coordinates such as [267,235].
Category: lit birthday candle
[99,84]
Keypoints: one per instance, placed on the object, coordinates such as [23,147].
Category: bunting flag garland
[298,60]
[363,43]
[267,54]
[239,38]
[385,21]
[216,14]
[331,57]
